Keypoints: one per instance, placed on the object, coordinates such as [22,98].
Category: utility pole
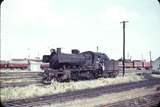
[97,48]
[124,23]
[28,49]
[142,60]
[150,57]
[142,57]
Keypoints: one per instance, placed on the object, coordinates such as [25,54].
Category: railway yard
[80,53]
[136,88]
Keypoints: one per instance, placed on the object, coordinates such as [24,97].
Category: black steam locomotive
[77,66]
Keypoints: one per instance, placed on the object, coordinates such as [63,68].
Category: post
[150,57]
[124,23]
[28,49]
[97,48]
[142,57]
[142,61]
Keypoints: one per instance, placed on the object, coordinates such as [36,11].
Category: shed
[156,64]
[34,66]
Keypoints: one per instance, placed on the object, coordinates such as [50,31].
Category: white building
[156,64]
[34,66]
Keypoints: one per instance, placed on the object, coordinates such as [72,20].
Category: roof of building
[158,59]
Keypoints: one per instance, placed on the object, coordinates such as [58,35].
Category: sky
[30,28]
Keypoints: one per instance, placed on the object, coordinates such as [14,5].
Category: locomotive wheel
[75,76]
[59,79]
[105,75]
[67,80]
[53,80]
[47,78]
[46,82]
[91,75]
[112,75]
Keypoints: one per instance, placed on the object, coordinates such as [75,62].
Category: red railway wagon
[3,64]
[15,66]
[147,65]
[127,64]
[18,64]
[138,64]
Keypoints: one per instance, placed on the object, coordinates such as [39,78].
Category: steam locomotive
[77,66]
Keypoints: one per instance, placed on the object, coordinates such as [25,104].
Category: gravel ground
[17,70]
[108,98]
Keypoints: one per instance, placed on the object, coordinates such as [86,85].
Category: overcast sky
[32,27]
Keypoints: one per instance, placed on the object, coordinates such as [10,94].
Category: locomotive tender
[76,66]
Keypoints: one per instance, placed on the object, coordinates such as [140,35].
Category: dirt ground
[108,98]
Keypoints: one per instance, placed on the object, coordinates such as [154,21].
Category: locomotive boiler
[76,66]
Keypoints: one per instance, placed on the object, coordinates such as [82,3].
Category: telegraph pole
[28,49]
[124,23]
[150,57]
[97,48]
[142,57]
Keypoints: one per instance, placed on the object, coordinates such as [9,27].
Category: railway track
[26,77]
[19,84]
[31,78]
[128,72]
[145,101]
[14,74]
[80,94]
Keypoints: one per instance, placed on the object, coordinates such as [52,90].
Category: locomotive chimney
[58,50]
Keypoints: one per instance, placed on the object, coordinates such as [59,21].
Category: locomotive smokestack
[58,50]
